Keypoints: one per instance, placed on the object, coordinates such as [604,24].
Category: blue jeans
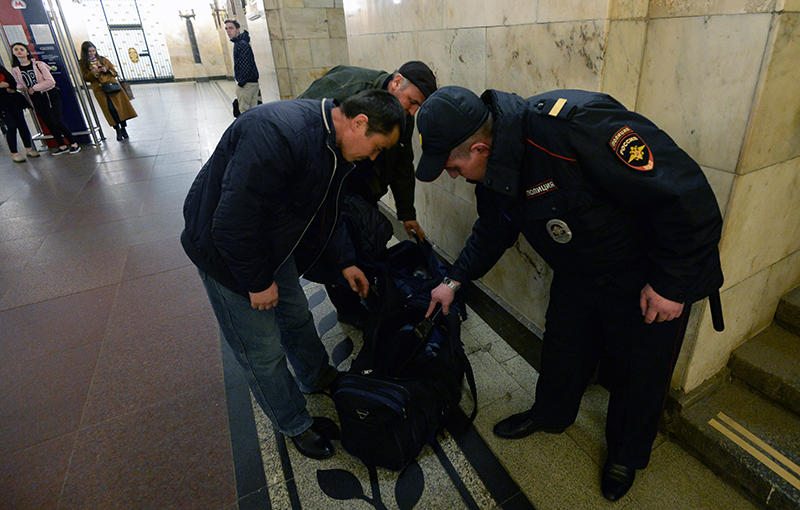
[262,340]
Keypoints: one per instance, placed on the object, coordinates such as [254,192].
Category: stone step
[746,439]
[788,313]
[770,363]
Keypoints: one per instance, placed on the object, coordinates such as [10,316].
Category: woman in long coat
[116,106]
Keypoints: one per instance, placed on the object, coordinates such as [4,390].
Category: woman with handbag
[102,75]
[34,77]
[12,106]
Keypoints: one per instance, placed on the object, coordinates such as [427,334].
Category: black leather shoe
[124,133]
[616,481]
[119,134]
[521,425]
[312,444]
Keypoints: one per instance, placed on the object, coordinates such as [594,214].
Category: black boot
[119,132]
[124,132]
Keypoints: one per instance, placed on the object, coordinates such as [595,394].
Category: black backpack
[405,385]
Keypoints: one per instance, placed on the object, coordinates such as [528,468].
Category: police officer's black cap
[445,120]
[420,75]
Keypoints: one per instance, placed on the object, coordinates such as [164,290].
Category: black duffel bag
[404,387]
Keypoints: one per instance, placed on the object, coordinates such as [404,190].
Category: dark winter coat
[271,189]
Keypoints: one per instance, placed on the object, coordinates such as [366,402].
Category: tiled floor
[113,393]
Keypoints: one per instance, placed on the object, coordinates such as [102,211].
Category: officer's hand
[411,227]
[441,294]
[657,308]
[357,280]
[265,299]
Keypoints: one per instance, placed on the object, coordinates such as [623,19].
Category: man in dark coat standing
[261,212]
[624,217]
[245,71]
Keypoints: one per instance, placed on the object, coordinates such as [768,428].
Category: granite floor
[116,392]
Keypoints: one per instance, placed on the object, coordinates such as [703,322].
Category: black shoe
[119,134]
[312,444]
[124,133]
[616,481]
[522,425]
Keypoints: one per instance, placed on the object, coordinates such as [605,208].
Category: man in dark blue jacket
[624,217]
[245,71]
[263,209]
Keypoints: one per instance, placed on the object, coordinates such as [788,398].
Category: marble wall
[308,38]
[718,75]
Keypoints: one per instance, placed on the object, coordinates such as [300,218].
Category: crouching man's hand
[443,294]
[265,299]
[357,280]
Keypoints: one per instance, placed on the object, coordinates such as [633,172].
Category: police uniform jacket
[599,192]
[393,167]
[271,189]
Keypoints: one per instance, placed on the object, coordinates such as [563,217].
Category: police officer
[624,217]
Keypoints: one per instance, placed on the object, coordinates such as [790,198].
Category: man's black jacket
[270,189]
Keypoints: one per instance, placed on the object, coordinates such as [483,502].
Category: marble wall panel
[721,183]
[628,9]
[382,51]
[318,3]
[329,52]
[302,78]
[681,8]
[372,17]
[336,24]
[263,54]
[284,83]
[712,349]
[571,10]
[428,15]
[446,218]
[788,5]
[523,279]
[623,60]
[274,24]
[460,14]
[774,131]
[457,57]
[698,79]
[291,4]
[305,23]
[536,58]
[762,224]
[298,53]
[783,275]
[279,53]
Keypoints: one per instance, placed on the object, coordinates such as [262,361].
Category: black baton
[716,310]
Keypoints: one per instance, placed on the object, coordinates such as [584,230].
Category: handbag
[111,87]
[127,88]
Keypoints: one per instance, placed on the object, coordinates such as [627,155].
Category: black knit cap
[420,75]
[445,120]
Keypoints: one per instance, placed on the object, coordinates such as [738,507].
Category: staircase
[747,427]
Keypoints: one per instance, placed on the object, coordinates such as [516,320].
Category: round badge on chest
[559,231]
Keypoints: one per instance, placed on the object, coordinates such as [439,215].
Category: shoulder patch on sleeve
[632,150]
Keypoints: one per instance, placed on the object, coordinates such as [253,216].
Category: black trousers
[48,107]
[586,323]
[15,120]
